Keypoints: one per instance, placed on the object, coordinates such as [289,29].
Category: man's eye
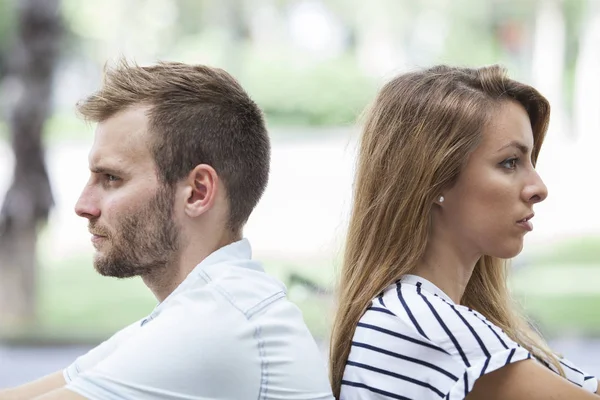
[111,178]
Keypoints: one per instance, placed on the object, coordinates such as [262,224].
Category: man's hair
[197,115]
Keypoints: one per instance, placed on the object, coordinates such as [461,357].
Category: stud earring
[441,199]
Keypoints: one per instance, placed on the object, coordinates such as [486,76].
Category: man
[179,161]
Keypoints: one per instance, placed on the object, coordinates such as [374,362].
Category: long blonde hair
[417,137]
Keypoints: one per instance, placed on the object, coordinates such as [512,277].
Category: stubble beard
[144,243]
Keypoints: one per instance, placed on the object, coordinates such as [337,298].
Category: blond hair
[417,137]
[198,115]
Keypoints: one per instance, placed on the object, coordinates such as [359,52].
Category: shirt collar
[425,285]
[235,251]
[232,253]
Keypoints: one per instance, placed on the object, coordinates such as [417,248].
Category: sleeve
[181,354]
[577,376]
[482,348]
[442,358]
[476,343]
[98,353]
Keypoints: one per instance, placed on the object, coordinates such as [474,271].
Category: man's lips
[96,238]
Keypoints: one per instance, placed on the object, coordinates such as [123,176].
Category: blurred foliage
[555,316]
[63,126]
[3,131]
[105,305]
[330,93]
[558,287]
[572,12]
[574,251]
[293,86]
[462,46]
[76,304]
[7,27]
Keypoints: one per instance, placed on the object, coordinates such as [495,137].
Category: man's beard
[143,243]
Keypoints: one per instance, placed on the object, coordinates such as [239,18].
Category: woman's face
[490,207]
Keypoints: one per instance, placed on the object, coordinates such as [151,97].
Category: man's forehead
[122,137]
[128,124]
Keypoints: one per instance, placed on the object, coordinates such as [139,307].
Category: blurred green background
[313,66]
[558,287]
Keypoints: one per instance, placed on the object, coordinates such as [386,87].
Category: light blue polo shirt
[227,332]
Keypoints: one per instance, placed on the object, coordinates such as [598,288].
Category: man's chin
[113,270]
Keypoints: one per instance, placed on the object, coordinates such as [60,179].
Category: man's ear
[201,190]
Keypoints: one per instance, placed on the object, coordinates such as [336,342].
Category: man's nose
[87,204]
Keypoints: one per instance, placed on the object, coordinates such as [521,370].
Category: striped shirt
[414,342]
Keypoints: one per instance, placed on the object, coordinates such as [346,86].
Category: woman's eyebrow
[515,143]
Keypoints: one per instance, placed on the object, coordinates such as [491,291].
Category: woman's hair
[416,138]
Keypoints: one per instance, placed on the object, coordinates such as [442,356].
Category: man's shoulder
[244,286]
[237,302]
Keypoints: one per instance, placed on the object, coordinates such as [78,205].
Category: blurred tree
[6,27]
[548,65]
[30,65]
[587,81]
[574,12]
[237,33]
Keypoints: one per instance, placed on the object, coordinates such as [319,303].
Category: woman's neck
[447,267]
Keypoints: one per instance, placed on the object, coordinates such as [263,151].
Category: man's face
[130,212]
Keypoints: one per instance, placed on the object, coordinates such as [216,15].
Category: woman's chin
[510,250]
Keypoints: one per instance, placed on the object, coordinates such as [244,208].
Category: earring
[441,199]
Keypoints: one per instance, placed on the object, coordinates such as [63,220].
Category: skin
[36,388]
[122,202]
[498,187]
[139,226]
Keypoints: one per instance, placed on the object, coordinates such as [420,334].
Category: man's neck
[164,282]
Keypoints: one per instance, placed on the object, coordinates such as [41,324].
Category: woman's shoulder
[407,310]
[421,345]
[413,335]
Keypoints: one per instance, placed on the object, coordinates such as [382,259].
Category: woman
[444,193]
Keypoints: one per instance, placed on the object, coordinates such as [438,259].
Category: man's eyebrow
[105,170]
[515,143]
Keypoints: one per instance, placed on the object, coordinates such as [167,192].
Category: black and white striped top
[414,342]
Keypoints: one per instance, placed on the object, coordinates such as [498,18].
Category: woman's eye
[510,163]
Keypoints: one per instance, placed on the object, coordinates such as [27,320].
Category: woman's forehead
[509,126]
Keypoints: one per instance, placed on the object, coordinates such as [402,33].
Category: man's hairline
[150,143]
